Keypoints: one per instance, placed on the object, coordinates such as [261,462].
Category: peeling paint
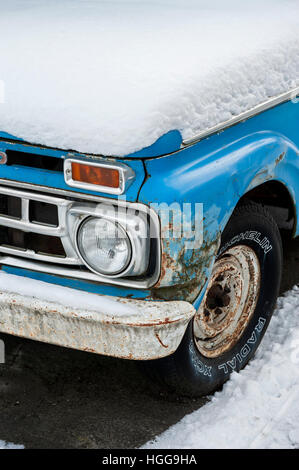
[154,331]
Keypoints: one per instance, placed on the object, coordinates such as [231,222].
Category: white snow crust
[111,77]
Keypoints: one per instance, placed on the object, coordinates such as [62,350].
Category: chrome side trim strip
[271,103]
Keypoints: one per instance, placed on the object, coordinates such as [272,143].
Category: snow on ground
[9,445]
[259,407]
[112,76]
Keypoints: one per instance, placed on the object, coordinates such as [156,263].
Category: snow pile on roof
[111,77]
[259,407]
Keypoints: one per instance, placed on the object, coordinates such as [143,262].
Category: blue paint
[55,179]
[216,172]
[94,288]
[168,143]
[5,135]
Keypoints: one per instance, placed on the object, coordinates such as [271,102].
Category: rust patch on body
[280,158]
[188,270]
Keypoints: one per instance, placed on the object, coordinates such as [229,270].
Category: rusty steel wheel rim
[229,302]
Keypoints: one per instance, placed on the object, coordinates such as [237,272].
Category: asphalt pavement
[52,397]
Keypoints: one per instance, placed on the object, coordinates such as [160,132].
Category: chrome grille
[25,223]
[20,217]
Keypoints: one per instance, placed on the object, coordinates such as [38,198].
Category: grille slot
[43,213]
[33,160]
[25,241]
[10,206]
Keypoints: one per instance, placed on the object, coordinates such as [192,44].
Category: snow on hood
[111,77]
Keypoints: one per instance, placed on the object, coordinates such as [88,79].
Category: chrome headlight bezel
[133,223]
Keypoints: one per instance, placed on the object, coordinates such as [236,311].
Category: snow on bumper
[133,329]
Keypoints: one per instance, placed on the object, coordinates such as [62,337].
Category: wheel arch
[278,199]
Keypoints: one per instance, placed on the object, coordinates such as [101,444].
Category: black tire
[187,372]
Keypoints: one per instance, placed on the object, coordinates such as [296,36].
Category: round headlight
[104,246]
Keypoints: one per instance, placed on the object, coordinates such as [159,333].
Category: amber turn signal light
[100,176]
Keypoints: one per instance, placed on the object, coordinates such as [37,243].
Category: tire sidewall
[207,374]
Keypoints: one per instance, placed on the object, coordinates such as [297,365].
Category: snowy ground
[9,445]
[258,408]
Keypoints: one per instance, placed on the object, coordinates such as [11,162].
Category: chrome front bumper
[131,329]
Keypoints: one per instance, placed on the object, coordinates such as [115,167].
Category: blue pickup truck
[179,243]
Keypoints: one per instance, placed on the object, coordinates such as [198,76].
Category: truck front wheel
[236,309]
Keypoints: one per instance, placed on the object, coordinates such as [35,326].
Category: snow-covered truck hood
[112,77]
